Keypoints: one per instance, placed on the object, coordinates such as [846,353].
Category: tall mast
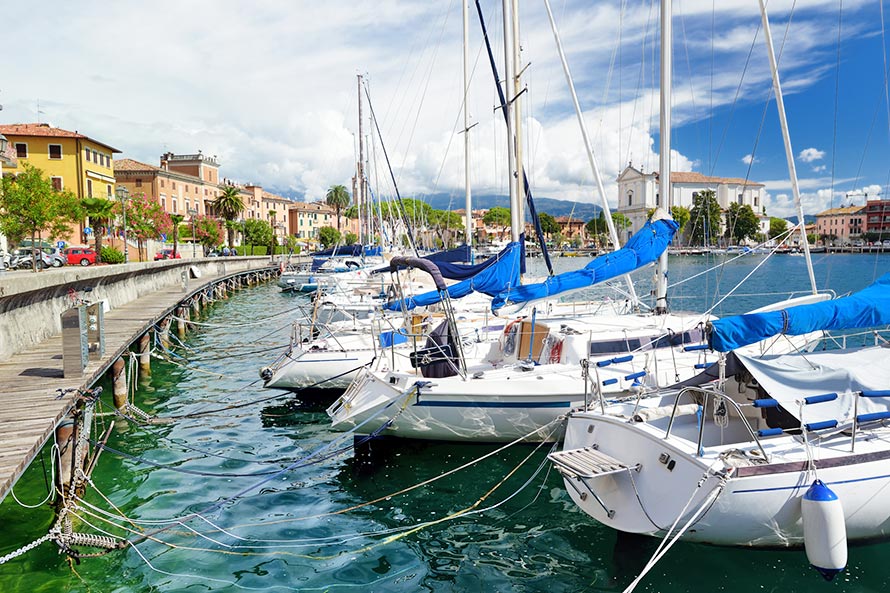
[664,157]
[360,166]
[517,116]
[467,191]
[613,234]
[515,213]
[789,153]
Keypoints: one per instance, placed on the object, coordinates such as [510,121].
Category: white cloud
[749,158]
[808,155]
[819,168]
[271,88]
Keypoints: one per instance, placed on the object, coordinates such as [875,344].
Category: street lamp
[192,213]
[122,194]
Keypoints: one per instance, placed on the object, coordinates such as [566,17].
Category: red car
[167,254]
[80,255]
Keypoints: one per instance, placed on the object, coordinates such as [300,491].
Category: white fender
[824,530]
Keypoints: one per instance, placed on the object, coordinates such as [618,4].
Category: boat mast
[467,192]
[613,234]
[664,157]
[515,220]
[359,198]
[517,117]
[789,153]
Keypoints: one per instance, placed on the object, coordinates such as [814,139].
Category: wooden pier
[31,381]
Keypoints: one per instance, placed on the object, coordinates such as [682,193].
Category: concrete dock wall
[30,303]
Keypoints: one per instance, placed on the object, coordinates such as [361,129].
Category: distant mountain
[554,207]
[582,210]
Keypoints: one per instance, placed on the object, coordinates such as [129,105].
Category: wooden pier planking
[29,381]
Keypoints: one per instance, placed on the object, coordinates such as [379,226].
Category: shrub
[110,255]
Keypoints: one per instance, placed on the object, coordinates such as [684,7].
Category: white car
[885,244]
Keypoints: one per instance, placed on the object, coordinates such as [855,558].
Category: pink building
[841,224]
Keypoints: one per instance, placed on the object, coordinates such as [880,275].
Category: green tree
[176,219]
[337,198]
[257,232]
[621,222]
[29,206]
[229,206]
[351,212]
[350,239]
[706,217]
[777,226]
[145,220]
[498,216]
[681,216]
[741,223]
[100,211]
[329,236]
[548,223]
[446,223]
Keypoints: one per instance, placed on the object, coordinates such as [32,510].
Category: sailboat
[729,455]
[540,370]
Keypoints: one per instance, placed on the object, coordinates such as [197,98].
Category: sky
[270,88]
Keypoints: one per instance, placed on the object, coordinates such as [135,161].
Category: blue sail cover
[870,307]
[491,277]
[643,248]
[340,251]
[454,271]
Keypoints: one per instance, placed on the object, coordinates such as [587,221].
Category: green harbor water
[246,489]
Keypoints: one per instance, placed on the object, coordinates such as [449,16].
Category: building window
[174,184]
[95,157]
[108,190]
[57,183]
[89,188]
[658,199]
[630,198]
[162,183]
[163,202]
[55,152]
[138,183]
[86,154]
[756,201]
[21,150]
[175,210]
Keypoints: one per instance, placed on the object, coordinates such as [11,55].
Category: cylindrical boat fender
[824,530]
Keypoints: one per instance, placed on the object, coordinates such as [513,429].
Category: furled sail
[641,249]
[870,307]
[489,277]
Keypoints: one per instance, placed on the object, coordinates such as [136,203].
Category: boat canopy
[791,378]
[870,307]
[341,251]
[643,248]
[489,277]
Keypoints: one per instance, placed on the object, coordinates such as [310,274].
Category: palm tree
[177,220]
[337,198]
[99,211]
[229,206]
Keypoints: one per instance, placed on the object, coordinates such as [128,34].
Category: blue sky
[269,86]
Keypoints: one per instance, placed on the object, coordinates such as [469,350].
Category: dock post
[181,322]
[164,333]
[196,306]
[65,440]
[119,381]
[145,354]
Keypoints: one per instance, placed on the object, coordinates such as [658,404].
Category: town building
[177,190]
[638,193]
[841,225]
[877,217]
[71,160]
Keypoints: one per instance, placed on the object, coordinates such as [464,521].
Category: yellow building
[71,160]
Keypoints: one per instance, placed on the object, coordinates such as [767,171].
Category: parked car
[167,254]
[22,259]
[57,257]
[82,256]
[885,243]
[858,243]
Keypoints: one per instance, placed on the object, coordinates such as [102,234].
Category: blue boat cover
[641,249]
[870,307]
[340,251]
[491,277]
[454,271]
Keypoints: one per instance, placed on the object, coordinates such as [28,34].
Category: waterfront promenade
[31,380]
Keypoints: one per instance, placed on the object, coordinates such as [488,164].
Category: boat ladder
[586,463]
